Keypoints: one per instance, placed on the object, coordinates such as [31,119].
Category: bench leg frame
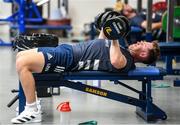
[145,107]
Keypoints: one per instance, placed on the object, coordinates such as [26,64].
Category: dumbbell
[114,25]
[102,17]
[116,28]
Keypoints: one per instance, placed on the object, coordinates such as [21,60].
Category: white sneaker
[27,116]
[38,102]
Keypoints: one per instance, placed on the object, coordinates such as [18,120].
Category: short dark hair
[154,54]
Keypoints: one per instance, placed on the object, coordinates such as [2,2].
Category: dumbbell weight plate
[114,28]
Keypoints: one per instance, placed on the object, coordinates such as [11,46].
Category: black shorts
[57,59]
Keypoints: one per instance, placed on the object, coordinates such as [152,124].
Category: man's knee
[20,64]
[31,61]
[26,52]
[19,54]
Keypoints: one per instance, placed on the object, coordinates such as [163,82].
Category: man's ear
[143,54]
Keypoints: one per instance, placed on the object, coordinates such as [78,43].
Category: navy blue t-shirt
[94,55]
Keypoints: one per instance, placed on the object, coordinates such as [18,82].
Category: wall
[84,11]
[5,12]
[6,9]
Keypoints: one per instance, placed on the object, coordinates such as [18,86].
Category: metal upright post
[126,1]
[49,8]
[21,16]
[169,32]
[59,3]
[67,3]
[149,21]
[139,6]
[178,2]
[170,20]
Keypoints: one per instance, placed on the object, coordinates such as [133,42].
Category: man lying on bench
[104,54]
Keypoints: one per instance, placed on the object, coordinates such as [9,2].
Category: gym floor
[87,107]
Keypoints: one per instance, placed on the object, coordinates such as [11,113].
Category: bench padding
[139,73]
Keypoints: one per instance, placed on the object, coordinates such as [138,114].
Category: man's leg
[30,61]
[27,62]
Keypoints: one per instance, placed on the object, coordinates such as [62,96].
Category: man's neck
[133,55]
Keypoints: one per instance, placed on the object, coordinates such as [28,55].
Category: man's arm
[155,26]
[117,59]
